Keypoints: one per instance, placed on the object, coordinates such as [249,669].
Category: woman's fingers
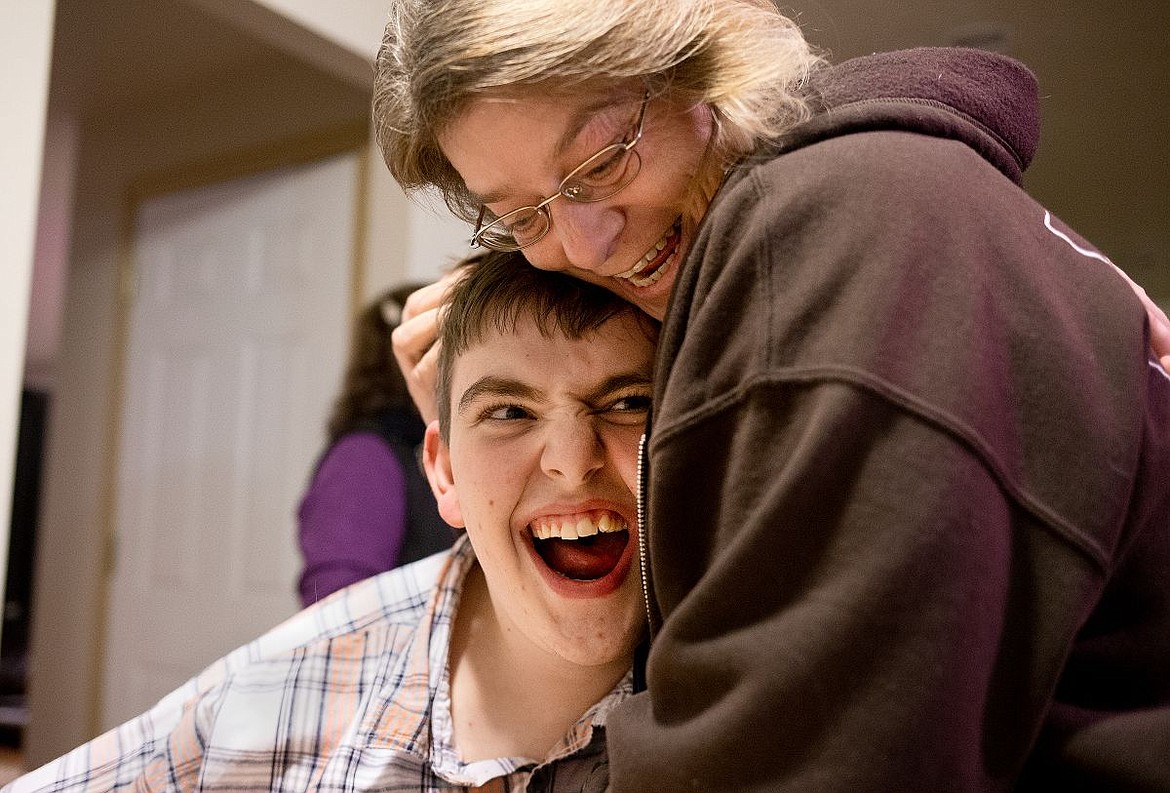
[1159,324]
[426,298]
[1159,331]
[416,352]
[414,341]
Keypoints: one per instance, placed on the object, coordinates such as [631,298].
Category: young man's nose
[587,233]
[573,451]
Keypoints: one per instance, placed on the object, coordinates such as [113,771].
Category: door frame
[234,165]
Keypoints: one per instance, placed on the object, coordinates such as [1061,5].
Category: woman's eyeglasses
[596,179]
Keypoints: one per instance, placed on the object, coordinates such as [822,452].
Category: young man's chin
[595,651]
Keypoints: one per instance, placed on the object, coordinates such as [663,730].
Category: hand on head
[415,348]
[1159,327]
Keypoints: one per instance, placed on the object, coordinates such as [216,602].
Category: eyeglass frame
[542,207]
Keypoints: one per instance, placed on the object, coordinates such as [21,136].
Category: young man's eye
[632,403]
[504,413]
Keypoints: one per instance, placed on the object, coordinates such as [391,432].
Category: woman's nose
[588,233]
[573,451]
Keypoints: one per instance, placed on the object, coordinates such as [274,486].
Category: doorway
[236,340]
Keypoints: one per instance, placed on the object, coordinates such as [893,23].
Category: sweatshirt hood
[987,100]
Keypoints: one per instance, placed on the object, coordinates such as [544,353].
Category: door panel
[237,341]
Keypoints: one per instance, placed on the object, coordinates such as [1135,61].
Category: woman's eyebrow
[488,198]
[577,122]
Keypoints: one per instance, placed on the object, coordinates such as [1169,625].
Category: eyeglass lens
[601,176]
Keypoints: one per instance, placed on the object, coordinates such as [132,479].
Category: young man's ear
[437,463]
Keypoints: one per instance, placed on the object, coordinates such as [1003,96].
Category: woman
[368,508]
[905,505]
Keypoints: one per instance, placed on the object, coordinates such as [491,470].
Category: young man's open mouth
[583,554]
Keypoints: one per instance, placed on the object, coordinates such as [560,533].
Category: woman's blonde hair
[742,58]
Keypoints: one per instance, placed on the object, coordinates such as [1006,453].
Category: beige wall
[1101,66]
[300,26]
[25,45]
[356,25]
[51,257]
[202,126]
[280,106]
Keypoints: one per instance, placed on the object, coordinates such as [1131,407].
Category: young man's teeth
[570,529]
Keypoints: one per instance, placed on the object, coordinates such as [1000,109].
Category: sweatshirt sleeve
[848,603]
[352,519]
[880,509]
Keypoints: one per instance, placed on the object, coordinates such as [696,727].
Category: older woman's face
[514,152]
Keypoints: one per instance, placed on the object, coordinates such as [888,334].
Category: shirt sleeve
[167,747]
[352,519]
[121,758]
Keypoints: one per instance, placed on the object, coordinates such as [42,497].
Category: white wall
[354,24]
[300,26]
[433,238]
[286,100]
[51,259]
[409,239]
[26,38]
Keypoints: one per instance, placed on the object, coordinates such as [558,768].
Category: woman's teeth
[649,257]
[654,277]
[652,254]
[572,528]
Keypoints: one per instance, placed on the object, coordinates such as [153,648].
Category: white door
[237,341]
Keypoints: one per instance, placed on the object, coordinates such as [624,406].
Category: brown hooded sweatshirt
[908,506]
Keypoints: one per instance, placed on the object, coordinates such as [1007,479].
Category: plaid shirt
[351,694]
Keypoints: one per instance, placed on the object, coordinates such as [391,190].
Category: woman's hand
[415,347]
[1159,324]
[1159,327]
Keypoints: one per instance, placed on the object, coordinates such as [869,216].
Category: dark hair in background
[499,290]
[373,382]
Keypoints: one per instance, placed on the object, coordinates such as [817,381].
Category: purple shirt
[353,516]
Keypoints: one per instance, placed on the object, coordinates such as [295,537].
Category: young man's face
[542,448]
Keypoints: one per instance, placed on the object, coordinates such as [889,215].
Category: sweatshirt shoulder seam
[906,402]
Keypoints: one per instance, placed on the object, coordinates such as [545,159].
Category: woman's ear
[437,464]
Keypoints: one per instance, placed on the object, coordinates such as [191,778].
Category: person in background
[368,507]
[906,480]
[490,667]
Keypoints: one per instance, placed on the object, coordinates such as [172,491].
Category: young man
[489,667]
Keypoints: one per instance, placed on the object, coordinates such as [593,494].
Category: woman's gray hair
[742,58]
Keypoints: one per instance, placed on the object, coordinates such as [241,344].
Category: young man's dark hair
[501,288]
